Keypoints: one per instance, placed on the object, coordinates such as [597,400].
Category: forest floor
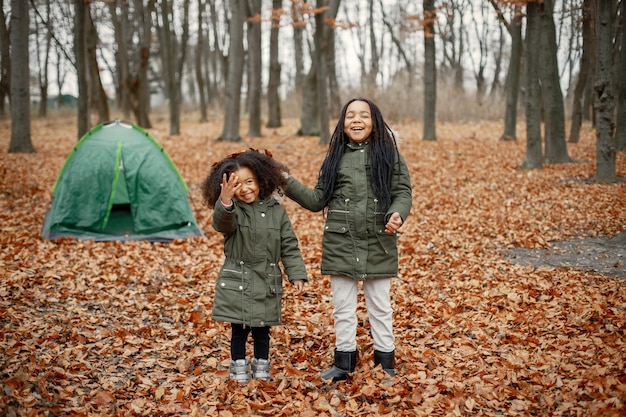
[510,298]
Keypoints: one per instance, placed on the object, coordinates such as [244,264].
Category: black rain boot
[386,360]
[345,362]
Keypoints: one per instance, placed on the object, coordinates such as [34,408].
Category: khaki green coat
[257,238]
[355,243]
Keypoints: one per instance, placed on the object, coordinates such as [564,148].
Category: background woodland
[255,58]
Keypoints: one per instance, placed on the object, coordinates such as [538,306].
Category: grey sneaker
[261,369]
[240,370]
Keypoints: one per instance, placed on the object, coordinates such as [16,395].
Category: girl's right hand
[229,186]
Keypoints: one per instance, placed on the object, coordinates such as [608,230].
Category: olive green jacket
[355,243]
[256,237]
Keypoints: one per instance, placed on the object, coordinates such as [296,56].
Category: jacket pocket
[230,302]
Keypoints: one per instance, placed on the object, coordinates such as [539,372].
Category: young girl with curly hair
[258,237]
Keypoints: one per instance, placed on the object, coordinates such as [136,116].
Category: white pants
[378,304]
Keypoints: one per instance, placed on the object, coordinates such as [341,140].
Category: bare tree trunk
[232,108]
[60,78]
[335,102]
[97,95]
[603,87]
[255,68]
[167,39]
[173,58]
[321,49]
[217,60]
[141,87]
[430,71]
[534,154]
[620,129]
[199,60]
[496,85]
[374,60]
[513,77]
[20,97]
[5,61]
[298,30]
[554,107]
[583,74]
[309,118]
[43,66]
[80,52]
[273,100]
[121,27]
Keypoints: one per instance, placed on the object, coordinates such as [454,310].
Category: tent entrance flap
[121,189]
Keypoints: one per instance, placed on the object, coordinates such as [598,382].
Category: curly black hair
[382,152]
[268,173]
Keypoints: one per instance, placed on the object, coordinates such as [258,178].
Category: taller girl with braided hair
[365,190]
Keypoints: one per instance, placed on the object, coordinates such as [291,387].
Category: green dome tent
[118,183]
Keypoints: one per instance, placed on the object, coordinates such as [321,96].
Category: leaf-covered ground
[95,329]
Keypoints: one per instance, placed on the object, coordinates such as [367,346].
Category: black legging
[260,335]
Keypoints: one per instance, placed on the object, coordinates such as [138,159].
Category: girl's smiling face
[247,190]
[358,121]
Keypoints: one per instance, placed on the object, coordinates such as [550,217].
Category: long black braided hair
[382,152]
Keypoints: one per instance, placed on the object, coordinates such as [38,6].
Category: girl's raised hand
[229,185]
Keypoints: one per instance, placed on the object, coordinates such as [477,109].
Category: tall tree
[583,74]
[326,12]
[43,54]
[298,49]
[603,87]
[314,119]
[81,10]
[430,71]
[309,114]
[620,128]
[513,76]
[119,11]
[255,68]
[199,60]
[232,108]
[273,100]
[173,57]
[552,96]
[20,97]
[334,99]
[534,154]
[216,65]
[97,96]
[140,84]
[374,56]
[5,60]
